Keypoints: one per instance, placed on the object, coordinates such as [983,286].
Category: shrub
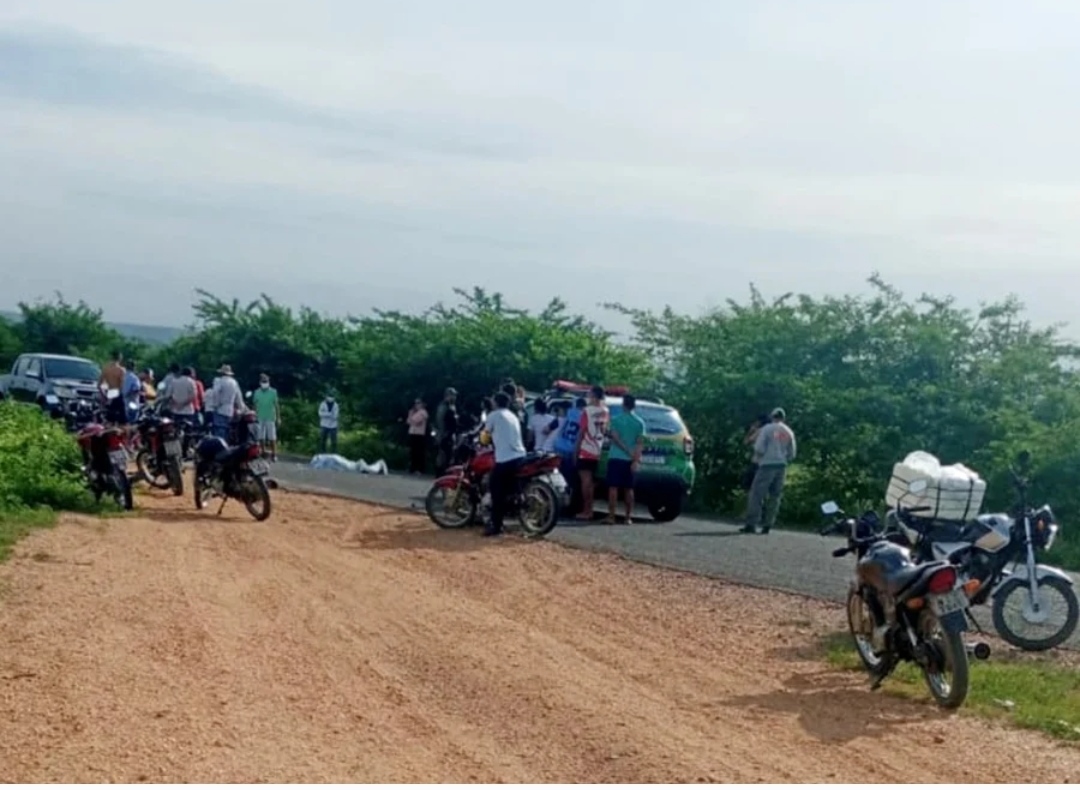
[39,462]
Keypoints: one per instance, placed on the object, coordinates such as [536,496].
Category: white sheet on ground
[342,464]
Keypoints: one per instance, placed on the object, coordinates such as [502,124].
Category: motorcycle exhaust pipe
[979,650]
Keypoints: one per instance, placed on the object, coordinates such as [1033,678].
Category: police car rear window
[659,420]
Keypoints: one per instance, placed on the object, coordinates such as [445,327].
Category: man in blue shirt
[565,446]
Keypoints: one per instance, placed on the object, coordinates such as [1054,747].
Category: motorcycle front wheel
[946,669]
[148,470]
[539,510]
[449,508]
[203,492]
[254,494]
[1016,594]
[861,624]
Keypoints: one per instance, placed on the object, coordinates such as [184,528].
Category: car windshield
[659,420]
[71,369]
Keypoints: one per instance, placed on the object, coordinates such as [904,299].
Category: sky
[350,154]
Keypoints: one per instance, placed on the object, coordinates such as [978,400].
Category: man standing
[170,376]
[774,449]
[418,433]
[446,427]
[624,458]
[180,400]
[590,444]
[112,379]
[329,412]
[504,428]
[267,415]
[566,446]
[225,399]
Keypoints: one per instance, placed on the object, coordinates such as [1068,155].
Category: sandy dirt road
[339,642]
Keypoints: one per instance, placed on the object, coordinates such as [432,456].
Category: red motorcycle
[105,463]
[160,454]
[462,495]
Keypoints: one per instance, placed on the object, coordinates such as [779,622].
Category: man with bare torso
[112,379]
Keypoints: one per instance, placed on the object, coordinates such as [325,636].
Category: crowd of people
[577,434]
[183,396]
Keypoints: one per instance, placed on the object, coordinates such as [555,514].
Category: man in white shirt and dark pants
[504,427]
[328,424]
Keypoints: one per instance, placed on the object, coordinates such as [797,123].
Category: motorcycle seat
[905,577]
[231,455]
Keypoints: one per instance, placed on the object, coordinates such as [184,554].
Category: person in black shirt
[447,425]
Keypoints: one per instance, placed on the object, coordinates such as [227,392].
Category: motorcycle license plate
[172,447]
[118,458]
[950,602]
[260,467]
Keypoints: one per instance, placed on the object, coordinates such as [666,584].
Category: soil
[339,642]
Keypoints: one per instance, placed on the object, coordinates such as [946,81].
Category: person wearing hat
[223,401]
[774,449]
[446,427]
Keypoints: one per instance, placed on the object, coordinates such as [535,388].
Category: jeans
[328,437]
[768,483]
[220,426]
[417,453]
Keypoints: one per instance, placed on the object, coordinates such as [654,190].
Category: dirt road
[343,643]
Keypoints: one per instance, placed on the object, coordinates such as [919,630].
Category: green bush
[39,463]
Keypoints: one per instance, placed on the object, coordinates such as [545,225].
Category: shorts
[266,431]
[588,464]
[116,412]
[620,473]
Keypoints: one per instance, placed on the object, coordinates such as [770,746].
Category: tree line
[865,379]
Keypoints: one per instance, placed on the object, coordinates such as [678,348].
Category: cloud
[60,68]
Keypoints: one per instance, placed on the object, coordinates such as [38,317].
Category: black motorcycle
[996,554]
[231,472]
[160,456]
[899,610]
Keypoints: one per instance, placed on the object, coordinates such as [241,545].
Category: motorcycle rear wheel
[948,649]
[461,512]
[539,510]
[203,493]
[174,476]
[122,490]
[255,495]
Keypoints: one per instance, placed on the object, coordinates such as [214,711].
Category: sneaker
[491,532]
[748,530]
[765,530]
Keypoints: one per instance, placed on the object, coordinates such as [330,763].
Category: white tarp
[340,463]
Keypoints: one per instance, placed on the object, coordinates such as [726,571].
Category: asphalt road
[796,562]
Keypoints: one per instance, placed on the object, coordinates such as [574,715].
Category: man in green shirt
[627,435]
[267,415]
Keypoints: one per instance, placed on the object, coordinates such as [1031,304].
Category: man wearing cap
[446,427]
[774,449]
[225,400]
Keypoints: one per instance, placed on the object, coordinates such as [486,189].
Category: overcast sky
[348,154]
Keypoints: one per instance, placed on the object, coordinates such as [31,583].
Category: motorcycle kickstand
[978,628]
[221,507]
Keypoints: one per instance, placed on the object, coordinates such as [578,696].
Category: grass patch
[1034,693]
[15,525]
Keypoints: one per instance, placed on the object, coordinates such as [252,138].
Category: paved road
[793,561]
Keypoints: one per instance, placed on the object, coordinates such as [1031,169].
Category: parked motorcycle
[462,495]
[985,548]
[105,463]
[899,610]
[231,473]
[160,453]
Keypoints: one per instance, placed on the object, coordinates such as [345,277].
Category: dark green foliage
[865,380]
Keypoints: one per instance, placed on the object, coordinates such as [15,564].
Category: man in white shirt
[328,424]
[227,401]
[505,430]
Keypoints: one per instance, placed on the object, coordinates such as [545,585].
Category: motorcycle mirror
[917,486]
[830,508]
